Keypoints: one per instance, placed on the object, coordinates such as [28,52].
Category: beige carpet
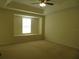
[38,50]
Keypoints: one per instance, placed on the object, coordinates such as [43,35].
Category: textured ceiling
[34,1]
[30,2]
[58,4]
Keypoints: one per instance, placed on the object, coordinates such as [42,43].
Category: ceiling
[29,2]
[58,4]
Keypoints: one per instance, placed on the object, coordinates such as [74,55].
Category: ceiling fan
[43,3]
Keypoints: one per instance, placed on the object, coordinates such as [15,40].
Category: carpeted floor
[41,49]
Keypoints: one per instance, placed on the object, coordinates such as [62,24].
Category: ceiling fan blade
[44,0]
[35,3]
[49,3]
[48,0]
[41,0]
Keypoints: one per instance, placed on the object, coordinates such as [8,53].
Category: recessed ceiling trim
[25,11]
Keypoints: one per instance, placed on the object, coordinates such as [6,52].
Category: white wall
[62,26]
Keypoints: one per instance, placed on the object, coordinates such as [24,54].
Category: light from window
[26,25]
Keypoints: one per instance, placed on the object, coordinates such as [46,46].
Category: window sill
[28,35]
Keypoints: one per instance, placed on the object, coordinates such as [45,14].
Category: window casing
[27,25]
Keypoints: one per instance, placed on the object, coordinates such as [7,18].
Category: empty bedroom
[39,29]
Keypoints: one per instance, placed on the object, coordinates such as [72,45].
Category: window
[26,25]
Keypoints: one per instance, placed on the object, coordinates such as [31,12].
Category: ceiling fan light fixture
[42,4]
